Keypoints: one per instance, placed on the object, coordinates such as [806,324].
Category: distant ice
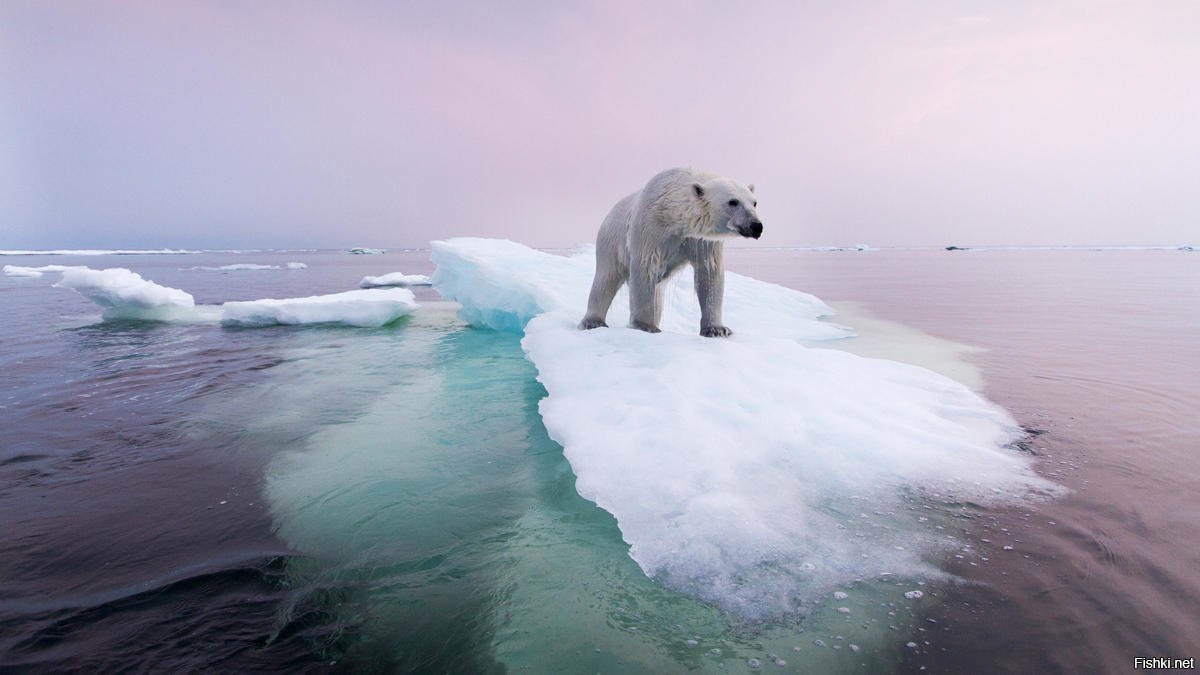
[237,267]
[364,308]
[368,251]
[297,266]
[34,272]
[395,279]
[856,247]
[737,468]
[126,295]
[100,251]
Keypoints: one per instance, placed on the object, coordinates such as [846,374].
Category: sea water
[204,495]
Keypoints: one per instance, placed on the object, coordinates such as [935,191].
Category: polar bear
[681,216]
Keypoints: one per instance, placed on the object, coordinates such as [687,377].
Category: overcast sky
[293,124]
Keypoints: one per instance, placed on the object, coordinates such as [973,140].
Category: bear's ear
[750,187]
[699,189]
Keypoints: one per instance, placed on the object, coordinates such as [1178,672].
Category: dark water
[193,497]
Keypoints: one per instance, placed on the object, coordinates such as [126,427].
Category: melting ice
[753,472]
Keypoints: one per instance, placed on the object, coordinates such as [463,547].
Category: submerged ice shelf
[124,294]
[753,472]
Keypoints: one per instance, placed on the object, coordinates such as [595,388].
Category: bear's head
[731,209]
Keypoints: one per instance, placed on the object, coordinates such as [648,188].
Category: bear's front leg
[642,297]
[708,263]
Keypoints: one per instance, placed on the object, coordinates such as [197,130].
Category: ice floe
[124,294]
[395,279]
[737,468]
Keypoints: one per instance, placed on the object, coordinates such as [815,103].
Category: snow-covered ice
[297,266]
[734,467]
[502,285]
[365,308]
[395,279]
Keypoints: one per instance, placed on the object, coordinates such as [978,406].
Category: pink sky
[226,124]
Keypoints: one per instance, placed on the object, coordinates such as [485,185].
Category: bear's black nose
[756,229]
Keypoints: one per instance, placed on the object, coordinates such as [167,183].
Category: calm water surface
[194,497]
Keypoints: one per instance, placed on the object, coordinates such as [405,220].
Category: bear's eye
[733,202]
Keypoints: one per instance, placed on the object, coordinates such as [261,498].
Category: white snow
[365,308]
[395,279]
[735,467]
[297,266]
[34,272]
[126,295]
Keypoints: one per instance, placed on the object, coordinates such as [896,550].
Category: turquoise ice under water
[441,523]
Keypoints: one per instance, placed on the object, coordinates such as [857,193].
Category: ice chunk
[732,466]
[34,272]
[395,279]
[366,308]
[367,251]
[297,266]
[126,295]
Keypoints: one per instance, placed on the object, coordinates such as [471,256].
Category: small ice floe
[843,610]
[367,251]
[297,266]
[914,595]
[753,663]
[839,595]
[126,295]
[395,279]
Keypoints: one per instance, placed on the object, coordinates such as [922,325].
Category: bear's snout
[756,229]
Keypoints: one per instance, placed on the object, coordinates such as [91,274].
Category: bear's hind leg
[604,288]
